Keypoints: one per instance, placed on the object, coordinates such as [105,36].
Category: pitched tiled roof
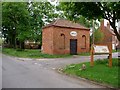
[66,23]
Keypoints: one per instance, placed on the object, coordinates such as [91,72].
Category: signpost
[100,49]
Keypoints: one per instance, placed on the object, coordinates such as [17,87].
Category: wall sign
[73,33]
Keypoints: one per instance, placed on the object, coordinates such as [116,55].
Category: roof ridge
[66,23]
[55,21]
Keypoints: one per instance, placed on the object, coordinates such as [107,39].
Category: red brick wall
[53,41]
[107,38]
[47,40]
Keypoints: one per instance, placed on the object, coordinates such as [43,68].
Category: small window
[62,41]
[83,41]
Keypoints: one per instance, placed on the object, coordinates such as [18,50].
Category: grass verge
[100,72]
[116,51]
[30,53]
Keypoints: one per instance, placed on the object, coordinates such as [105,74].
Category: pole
[92,56]
[93,33]
[92,47]
[110,55]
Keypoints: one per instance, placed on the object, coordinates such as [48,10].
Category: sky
[54,2]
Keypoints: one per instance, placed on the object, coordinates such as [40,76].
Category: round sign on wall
[73,33]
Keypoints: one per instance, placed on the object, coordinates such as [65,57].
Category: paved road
[0,70]
[17,73]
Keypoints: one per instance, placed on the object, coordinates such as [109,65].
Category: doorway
[73,46]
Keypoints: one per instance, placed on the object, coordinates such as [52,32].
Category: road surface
[41,73]
[0,70]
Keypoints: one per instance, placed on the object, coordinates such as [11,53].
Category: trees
[15,23]
[40,14]
[24,20]
[67,12]
[95,10]
[98,36]
[1,41]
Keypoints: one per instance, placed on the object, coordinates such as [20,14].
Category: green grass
[30,53]
[34,53]
[100,72]
[116,51]
[84,54]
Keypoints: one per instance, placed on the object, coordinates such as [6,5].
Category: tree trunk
[117,34]
[15,43]
[22,45]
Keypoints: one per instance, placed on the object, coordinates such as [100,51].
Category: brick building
[65,37]
[109,36]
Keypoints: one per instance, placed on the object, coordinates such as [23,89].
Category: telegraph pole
[93,33]
[92,49]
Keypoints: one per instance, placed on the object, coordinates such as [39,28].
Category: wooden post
[110,55]
[92,56]
[93,33]
[92,48]
[110,60]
